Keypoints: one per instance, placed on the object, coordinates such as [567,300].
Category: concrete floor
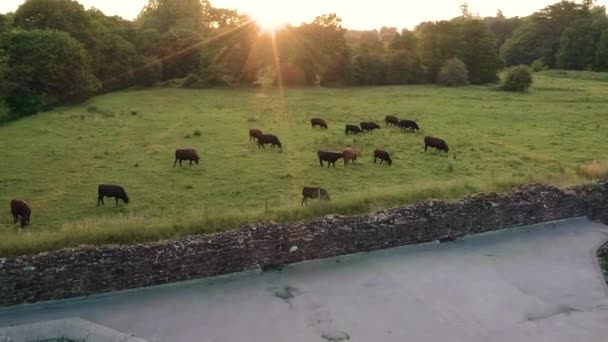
[537,283]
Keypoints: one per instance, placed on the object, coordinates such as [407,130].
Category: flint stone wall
[89,270]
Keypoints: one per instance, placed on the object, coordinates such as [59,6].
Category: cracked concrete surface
[538,283]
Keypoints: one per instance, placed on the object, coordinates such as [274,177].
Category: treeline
[54,51]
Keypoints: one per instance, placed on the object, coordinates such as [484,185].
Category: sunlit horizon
[358,15]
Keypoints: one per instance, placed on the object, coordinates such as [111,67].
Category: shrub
[45,68]
[191,81]
[453,73]
[517,78]
[148,72]
[537,65]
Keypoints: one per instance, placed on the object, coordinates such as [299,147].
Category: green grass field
[55,160]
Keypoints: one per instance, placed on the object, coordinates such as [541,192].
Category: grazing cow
[409,124]
[352,129]
[268,139]
[21,211]
[369,126]
[391,120]
[436,143]
[312,193]
[318,122]
[383,156]
[186,154]
[116,191]
[329,157]
[349,154]
[254,134]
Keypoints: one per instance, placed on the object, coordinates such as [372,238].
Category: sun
[269,24]
[270,15]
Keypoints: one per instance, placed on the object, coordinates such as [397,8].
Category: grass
[55,160]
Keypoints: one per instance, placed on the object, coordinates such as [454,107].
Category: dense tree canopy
[72,53]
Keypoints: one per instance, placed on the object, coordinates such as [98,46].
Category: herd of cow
[348,154]
[21,211]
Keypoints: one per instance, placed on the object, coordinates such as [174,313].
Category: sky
[356,14]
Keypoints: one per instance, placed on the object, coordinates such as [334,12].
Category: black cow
[409,124]
[21,212]
[318,122]
[391,120]
[329,157]
[436,143]
[188,154]
[269,139]
[116,191]
[383,156]
[309,192]
[352,129]
[369,126]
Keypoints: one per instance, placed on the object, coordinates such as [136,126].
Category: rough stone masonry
[87,270]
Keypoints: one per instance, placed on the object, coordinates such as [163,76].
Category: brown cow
[186,154]
[318,122]
[436,143]
[312,193]
[349,154]
[254,134]
[269,139]
[383,156]
[391,120]
[21,211]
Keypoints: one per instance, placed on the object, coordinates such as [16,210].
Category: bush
[538,65]
[148,72]
[518,78]
[453,73]
[45,68]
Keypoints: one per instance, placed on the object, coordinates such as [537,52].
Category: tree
[148,71]
[502,27]
[527,44]
[405,41]
[46,68]
[61,15]
[404,67]
[479,52]
[601,52]
[453,73]
[438,42]
[576,45]
[369,69]
[323,42]
[387,34]
[518,78]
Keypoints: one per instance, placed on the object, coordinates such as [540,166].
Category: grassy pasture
[55,160]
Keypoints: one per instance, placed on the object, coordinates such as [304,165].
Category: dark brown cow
[383,156]
[186,154]
[435,143]
[116,191]
[349,154]
[318,122]
[369,126]
[409,124]
[21,211]
[352,129]
[268,139]
[329,157]
[254,134]
[391,120]
[309,192]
